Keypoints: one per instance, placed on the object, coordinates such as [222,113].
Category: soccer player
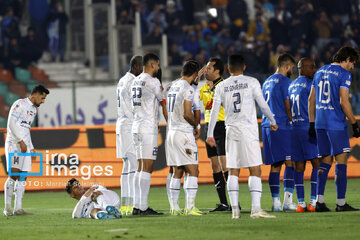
[125,148]
[214,70]
[181,147]
[238,95]
[303,147]
[146,97]
[328,108]
[97,202]
[21,116]
[277,145]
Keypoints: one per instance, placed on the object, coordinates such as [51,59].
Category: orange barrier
[95,160]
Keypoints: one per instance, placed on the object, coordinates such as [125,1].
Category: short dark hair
[219,64]
[190,67]
[40,89]
[150,57]
[136,61]
[346,52]
[284,59]
[236,62]
[69,185]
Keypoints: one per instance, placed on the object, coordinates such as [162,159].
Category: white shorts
[181,149]
[110,199]
[124,144]
[242,149]
[146,145]
[21,163]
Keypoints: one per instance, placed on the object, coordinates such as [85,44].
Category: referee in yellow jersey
[213,72]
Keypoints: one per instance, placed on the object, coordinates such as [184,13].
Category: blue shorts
[332,142]
[303,147]
[276,145]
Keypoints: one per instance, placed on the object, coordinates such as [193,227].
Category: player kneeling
[97,202]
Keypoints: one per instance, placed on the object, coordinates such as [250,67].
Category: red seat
[6,76]
[18,88]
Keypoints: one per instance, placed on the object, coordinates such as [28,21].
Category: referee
[213,72]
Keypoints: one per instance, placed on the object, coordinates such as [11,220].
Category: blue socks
[313,183]
[289,180]
[341,181]
[274,183]
[299,185]
[321,181]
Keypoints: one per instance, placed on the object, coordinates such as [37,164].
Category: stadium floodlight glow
[213,12]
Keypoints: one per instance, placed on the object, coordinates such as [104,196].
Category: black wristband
[355,125]
[312,125]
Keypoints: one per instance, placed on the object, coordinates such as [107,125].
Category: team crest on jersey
[347,82]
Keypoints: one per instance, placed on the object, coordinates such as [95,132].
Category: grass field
[52,219]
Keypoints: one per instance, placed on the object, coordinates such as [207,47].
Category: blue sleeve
[345,80]
[285,90]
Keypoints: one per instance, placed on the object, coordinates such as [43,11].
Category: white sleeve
[214,112]
[265,109]
[196,100]
[157,90]
[77,213]
[15,116]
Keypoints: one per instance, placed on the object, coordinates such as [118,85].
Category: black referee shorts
[219,135]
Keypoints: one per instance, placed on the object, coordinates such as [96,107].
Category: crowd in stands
[46,32]
[260,30]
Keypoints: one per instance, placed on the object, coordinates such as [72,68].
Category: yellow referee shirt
[207,96]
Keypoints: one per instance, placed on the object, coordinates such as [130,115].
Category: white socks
[184,184]
[136,190]
[320,198]
[255,188]
[9,187]
[145,181]
[175,185]
[19,193]
[288,198]
[233,191]
[125,183]
[168,180]
[191,190]
[133,165]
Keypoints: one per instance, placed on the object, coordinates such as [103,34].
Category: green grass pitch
[52,219]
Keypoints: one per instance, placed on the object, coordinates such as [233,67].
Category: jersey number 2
[237,102]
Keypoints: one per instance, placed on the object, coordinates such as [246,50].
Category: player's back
[237,95]
[146,95]
[299,91]
[327,83]
[275,91]
[179,91]
[124,101]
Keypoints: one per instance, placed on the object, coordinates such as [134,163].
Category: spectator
[39,11]
[31,50]
[278,29]
[237,12]
[208,41]
[9,27]
[57,31]
[154,37]
[225,37]
[191,45]
[156,17]
[201,57]
[13,56]
[323,28]
[296,29]
[258,29]
[338,27]
[175,58]
[219,51]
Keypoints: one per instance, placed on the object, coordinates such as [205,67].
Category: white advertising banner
[94,106]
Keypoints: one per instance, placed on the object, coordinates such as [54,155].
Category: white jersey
[124,102]
[179,92]
[237,94]
[85,205]
[146,95]
[196,99]
[21,116]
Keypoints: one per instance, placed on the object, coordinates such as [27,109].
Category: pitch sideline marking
[116,230]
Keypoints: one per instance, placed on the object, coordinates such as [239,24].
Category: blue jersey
[327,83]
[299,91]
[275,91]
